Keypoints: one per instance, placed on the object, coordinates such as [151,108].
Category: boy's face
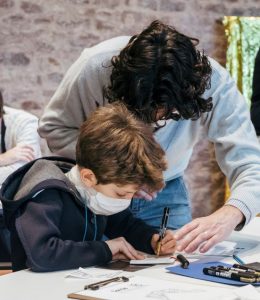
[111,190]
[115,191]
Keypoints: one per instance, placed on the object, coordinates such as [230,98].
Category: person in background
[167,82]
[57,211]
[19,144]
[20,141]
[255,101]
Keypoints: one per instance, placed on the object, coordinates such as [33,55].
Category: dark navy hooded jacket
[47,220]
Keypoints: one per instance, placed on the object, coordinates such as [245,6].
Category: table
[27,285]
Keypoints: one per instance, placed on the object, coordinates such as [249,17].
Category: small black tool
[183,260]
[97,285]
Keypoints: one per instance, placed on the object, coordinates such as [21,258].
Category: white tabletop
[27,285]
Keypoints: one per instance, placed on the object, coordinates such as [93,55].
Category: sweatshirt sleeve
[23,130]
[236,145]
[41,236]
[79,93]
[135,231]
[27,133]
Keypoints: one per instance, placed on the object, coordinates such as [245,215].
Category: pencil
[239,260]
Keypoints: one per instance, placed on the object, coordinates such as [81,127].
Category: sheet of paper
[153,260]
[139,287]
[93,274]
[225,248]
[247,292]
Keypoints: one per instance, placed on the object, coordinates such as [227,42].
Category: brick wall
[39,39]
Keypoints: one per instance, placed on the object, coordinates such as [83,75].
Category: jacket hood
[33,177]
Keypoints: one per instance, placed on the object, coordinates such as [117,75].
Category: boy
[58,212]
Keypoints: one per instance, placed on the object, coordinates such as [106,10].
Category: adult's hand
[121,249]
[205,232]
[168,243]
[19,153]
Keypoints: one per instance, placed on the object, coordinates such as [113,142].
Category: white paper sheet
[93,274]
[247,292]
[225,249]
[153,260]
[139,287]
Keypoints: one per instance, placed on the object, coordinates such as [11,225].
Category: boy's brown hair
[120,149]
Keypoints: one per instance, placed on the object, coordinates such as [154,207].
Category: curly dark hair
[160,71]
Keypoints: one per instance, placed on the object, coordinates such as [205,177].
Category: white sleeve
[5,171]
[27,134]
[236,145]
[23,131]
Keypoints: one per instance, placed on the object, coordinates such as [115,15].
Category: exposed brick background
[39,39]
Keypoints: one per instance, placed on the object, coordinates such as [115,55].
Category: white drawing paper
[139,287]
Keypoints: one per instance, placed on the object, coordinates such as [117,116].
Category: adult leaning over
[166,82]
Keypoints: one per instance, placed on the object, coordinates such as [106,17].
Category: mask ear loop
[86,225]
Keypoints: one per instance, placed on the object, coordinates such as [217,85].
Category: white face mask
[101,204]
[97,202]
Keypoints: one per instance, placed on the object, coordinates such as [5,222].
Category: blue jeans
[175,196]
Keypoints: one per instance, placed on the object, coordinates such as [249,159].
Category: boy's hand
[19,153]
[168,243]
[121,249]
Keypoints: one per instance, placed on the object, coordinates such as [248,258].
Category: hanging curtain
[243,37]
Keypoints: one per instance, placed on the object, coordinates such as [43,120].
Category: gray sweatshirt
[228,125]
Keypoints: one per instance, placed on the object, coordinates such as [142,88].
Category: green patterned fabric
[243,37]
[243,34]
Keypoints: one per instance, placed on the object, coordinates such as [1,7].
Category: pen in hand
[162,229]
